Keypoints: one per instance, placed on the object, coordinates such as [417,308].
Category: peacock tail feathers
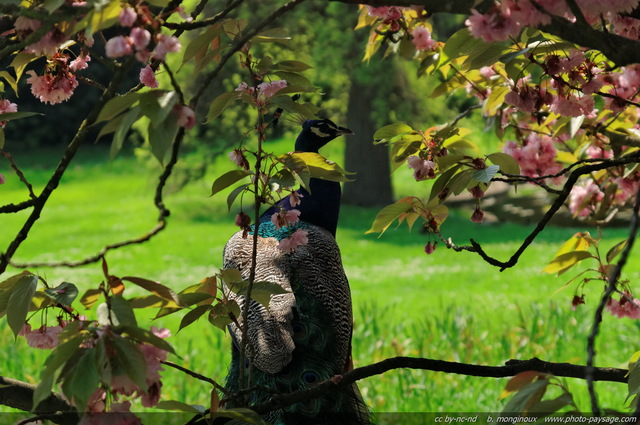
[304,336]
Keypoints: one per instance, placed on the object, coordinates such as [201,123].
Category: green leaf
[234,194]
[506,162]
[82,379]
[52,5]
[200,44]
[221,103]
[157,105]
[230,276]
[322,168]
[486,174]
[129,357]
[564,262]
[294,78]
[458,183]
[442,181]
[459,44]
[527,397]
[63,294]
[154,287]
[485,54]
[495,100]
[161,137]
[116,105]
[274,35]
[193,315]
[391,131]
[9,116]
[58,357]
[388,215]
[227,179]
[20,301]
[262,291]
[123,129]
[615,250]
[90,297]
[291,65]
[120,314]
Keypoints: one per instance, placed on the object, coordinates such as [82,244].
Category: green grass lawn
[450,306]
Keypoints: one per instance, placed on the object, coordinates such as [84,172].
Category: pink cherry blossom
[237,156]
[429,248]
[244,87]
[165,44]
[23,24]
[292,243]
[267,90]
[422,38]
[51,88]
[627,189]
[186,116]
[584,198]
[80,63]
[118,46]
[526,14]
[627,306]
[537,156]
[46,337]
[5,108]
[285,218]
[127,16]
[140,38]
[423,169]
[295,198]
[477,216]
[496,25]
[378,12]
[572,106]
[148,77]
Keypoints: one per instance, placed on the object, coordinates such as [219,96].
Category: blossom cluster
[261,94]
[626,306]
[506,18]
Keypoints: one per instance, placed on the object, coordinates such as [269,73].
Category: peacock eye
[310,377]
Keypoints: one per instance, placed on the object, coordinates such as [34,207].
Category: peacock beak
[345,131]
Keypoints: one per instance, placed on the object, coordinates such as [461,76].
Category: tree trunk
[372,183]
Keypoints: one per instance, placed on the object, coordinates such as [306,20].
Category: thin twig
[19,172]
[611,287]
[557,204]
[196,375]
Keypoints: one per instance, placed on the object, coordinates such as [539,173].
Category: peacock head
[317,133]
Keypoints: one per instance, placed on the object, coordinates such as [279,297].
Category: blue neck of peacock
[322,206]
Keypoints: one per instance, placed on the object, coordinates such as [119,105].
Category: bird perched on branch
[304,336]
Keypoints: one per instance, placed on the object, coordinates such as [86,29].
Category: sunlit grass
[450,306]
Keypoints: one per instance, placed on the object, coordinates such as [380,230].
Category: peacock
[304,337]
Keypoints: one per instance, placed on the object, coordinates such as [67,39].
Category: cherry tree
[557,82]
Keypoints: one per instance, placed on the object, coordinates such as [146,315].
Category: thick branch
[511,368]
[19,395]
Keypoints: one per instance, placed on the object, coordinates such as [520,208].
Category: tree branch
[511,368]
[611,287]
[66,159]
[19,395]
[559,201]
